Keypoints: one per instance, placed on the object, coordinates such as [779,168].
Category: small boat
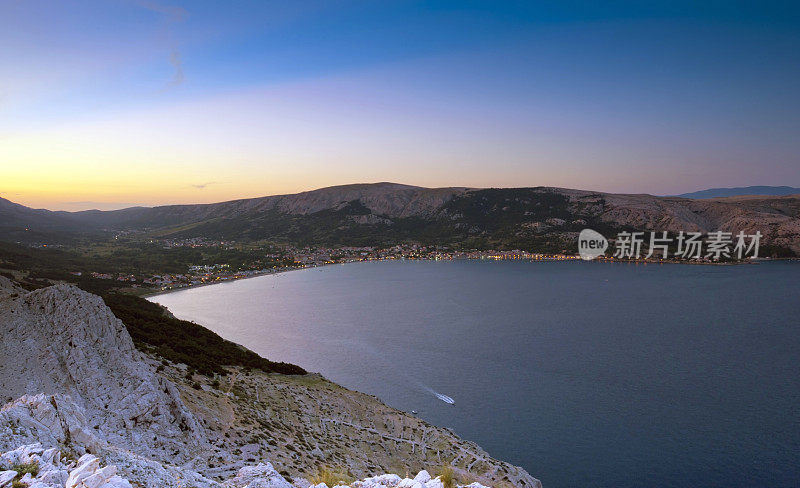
[414,412]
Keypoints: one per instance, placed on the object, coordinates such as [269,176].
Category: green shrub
[185,342]
[22,469]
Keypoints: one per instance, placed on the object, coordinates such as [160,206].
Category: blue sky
[104,104]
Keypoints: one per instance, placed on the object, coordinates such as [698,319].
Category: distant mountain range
[741,191]
[539,218]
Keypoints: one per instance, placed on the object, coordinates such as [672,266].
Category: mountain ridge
[761,190]
[380,214]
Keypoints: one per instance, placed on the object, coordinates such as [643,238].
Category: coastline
[287,269]
[227,280]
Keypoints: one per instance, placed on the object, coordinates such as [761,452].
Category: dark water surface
[586,374]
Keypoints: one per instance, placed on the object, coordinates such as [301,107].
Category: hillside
[534,219]
[75,385]
[21,223]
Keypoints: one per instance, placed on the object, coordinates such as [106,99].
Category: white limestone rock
[301,483]
[422,477]
[53,472]
[7,476]
[89,474]
[49,420]
[57,421]
[92,471]
[388,480]
[63,340]
[408,483]
[434,483]
[475,485]
[87,465]
[262,475]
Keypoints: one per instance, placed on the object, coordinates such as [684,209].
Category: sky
[108,104]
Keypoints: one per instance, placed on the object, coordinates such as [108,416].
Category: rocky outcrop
[262,475]
[52,468]
[47,468]
[8,288]
[45,423]
[61,340]
[71,456]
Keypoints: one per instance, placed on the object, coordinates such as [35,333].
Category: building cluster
[303,257]
[192,242]
[320,256]
[348,254]
[514,254]
[110,276]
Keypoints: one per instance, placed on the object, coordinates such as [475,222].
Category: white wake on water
[445,398]
[440,396]
[372,351]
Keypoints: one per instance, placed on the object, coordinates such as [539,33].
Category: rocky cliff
[80,397]
[62,340]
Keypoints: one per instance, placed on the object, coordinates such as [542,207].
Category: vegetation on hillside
[179,341]
[332,477]
[447,477]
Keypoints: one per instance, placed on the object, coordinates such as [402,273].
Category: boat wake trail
[445,398]
[440,396]
[400,374]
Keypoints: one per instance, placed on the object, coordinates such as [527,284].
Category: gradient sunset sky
[116,103]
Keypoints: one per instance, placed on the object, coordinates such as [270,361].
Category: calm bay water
[586,374]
